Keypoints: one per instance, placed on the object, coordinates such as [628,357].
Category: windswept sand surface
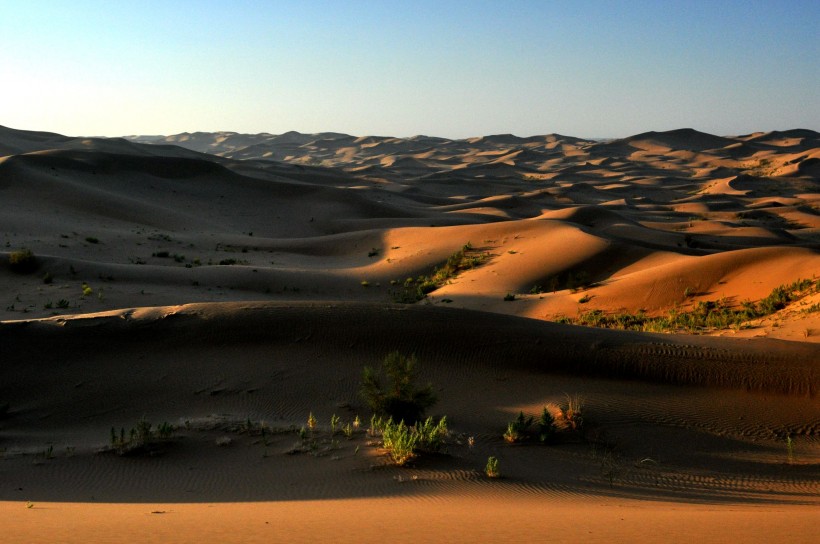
[253,283]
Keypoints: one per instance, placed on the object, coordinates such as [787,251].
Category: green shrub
[417,289]
[399,398]
[403,442]
[706,314]
[491,469]
[141,439]
[546,426]
[400,442]
[22,261]
[431,435]
[554,419]
[518,428]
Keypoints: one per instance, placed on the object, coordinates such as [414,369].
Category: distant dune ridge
[215,280]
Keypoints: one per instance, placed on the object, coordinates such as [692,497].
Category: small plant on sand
[491,469]
[400,442]
[394,393]
[22,261]
[790,448]
[347,430]
[334,424]
[573,413]
[546,426]
[509,297]
[431,434]
[141,439]
[311,422]
[87,290]
[554,419]
[403,442]
[517,429]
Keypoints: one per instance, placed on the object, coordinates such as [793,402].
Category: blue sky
[443,68]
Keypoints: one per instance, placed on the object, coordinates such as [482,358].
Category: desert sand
[230,285]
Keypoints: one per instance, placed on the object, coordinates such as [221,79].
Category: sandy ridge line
[763,365]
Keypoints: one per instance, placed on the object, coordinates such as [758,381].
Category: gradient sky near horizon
[444,68]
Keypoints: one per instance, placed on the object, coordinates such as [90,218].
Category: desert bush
[400,442]
[403,442]
[143,437]
[431,434]
[394,393]
[22,261]
[573,413]
[516,430]
[554,419]
[491,469]
[416,289]
[705,315]
[546,426]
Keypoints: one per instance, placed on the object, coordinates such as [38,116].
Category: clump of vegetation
[509,297]
[400,442]
[142,438]
[414,290]
[403,442]
[546,426]
[572,280]
[491,469]
[516,430]
[393,392]
[22,261]
[554,419]
[706,314]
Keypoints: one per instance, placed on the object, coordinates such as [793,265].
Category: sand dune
[227,283]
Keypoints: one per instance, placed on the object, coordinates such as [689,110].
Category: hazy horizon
[453,69]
